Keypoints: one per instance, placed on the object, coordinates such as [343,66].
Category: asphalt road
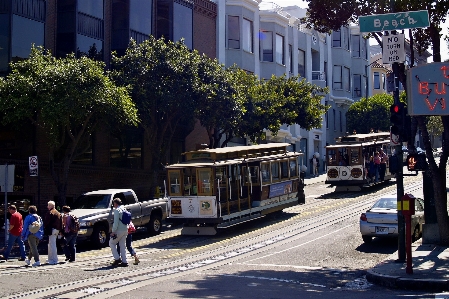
[309,251]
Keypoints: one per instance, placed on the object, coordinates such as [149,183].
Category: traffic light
[416,162]
[397,120]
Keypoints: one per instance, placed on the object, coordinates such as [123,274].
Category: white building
[266,39]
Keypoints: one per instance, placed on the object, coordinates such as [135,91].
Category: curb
[398,282]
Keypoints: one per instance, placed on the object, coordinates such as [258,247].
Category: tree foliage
[371,113]
[65,99]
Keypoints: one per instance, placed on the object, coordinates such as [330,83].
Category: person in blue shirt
[33,239]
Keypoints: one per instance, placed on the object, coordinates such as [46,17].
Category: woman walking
[33,238]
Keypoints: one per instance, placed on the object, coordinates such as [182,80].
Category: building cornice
[252,5]
[341,101]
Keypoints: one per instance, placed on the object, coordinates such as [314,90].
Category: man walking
[15,232]
[52,226]
[118,235]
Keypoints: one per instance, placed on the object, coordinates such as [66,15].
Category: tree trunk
[438,176]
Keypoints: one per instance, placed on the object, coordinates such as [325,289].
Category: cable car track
[196,253]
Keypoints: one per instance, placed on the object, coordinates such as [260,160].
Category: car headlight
[85,223]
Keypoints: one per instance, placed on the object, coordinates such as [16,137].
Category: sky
[303,4]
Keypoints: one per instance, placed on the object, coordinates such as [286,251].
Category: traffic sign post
[394,21]
[393,49]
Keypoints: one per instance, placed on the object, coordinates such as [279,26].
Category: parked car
[94,210]
[381,220]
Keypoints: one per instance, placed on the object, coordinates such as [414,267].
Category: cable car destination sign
[428,89]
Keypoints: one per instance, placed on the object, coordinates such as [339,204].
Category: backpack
[126,217]
[35,226]
[75,224]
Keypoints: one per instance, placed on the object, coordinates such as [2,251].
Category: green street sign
[394,21]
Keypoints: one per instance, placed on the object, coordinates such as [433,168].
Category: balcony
[319,78]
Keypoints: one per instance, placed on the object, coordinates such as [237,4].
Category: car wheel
[155,225]
[367,239]
[416,234]
[100,236]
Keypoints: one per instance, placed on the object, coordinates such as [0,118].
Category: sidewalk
[430,265]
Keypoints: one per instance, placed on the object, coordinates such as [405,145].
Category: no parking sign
[33,166]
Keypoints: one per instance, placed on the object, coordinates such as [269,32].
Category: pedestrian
[315,165]
[52,226]
[377,166]
[15,232]
[70,234]
[129,240]
[33,238]
[383,164]
[118,235]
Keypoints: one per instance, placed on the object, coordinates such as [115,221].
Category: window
[266,45]
[341,121]
[357,82]
[346,79]
[327,119]
[174,181]
[383,81]
[334,115]
[265,169]
[293,168]
[284,169]
[346,38]
[290,57]
[301,63]
[204,181]
[279,49]
[355,47]
[336,39]
[364,52]
[376,80]
[247,35]
[233,32]
[275,170]
[183,23]
[337,77]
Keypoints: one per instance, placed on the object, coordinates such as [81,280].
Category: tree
[370,113]
[165,86]
[65,98]
[328,15]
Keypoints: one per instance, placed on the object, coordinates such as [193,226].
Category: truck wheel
[155,225]
[100,236]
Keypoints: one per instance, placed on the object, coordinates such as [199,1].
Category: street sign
[393,49]
[426,89]
[394,21]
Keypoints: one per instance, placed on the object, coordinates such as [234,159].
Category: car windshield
[97,201]
[385,203]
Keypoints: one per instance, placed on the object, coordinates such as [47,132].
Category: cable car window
[284,169]
[265,168]
[275,170]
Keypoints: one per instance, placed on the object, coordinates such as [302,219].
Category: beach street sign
[394,21]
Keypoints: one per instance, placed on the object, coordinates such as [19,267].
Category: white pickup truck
[95,213]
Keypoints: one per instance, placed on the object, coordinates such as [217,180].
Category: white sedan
[381,220]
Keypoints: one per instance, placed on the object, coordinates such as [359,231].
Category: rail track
[171,255]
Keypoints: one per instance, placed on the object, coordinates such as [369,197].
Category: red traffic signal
[397,114]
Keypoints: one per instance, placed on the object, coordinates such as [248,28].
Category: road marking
[302,244]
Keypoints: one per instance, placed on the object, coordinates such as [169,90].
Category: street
[308,251]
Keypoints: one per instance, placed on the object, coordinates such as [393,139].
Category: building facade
[93,28]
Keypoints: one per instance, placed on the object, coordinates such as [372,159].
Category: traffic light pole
[399,174]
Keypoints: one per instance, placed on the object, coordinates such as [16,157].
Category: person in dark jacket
[52,226]
[69,235]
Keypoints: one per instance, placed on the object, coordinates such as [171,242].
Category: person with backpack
[70,227]
[33,231]
[129,240]
[118,235]
[15,230]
